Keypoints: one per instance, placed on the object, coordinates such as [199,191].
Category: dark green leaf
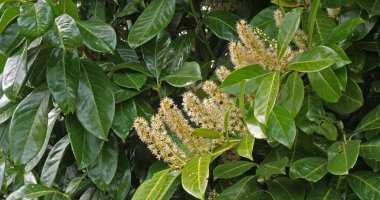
[69,7]
[153,20]
[76,185]
[350,101]
[95,99]
[178,51]
[223,24]
[232,169]
[125,114]
[8,16]
[287,31]
[371,149]
[6,108]
[375,165]
[98,36]
[264,18]
[245,188]
[301,120]
[135,66]
[365,184]
[324,193]
[342,156]
[186,75]
[266,169]
[31,191]
[343,30]
[195,175]
[310,168]
[281,126]
[326,84]
[284,188]
[122,179]
[371,6]
[10,39]
[370,121]
[323,26]
[293,94]
[130,80]
[328,130]
[245,147]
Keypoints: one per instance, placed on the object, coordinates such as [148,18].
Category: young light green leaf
[343,30]
[287,30]
[371,149]
[350,101]
[130,80]
[310,168]
[206,133]
[342,156]
[365,184]
[153,20]
[292,94]
[245,147]
[8,16]
[223,24]
[186,75]
[370,121]
[283,188]
[195,175]
[125,114]
[325,84]
[150,189]
[281,126]
[32,191]
[232,169]
[98,36]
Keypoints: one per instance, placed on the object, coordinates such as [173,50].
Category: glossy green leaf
[31,191]
[153,20]
[245,147]
[15,73]
[284,188]
[375,165]
[135,66]
[287,31]
[350,101]
[267,168]
[245,188]
[328,130]
[301,120]
[206,133]
[7,107]
[51,166]
[326,84]
[28,126]
[178,52]
[232,169]
[264,18]
[310,168]
[195,175]
[371,6]
[64,33]
[125,114]
[315,59]
[266,97]
[150,189]
[186,75]
[292,94]
[343,30]
[103,169]
[170,185]
[76,184]
[121,182]
[35,18]
[98,36]
[281,126]
[68,7]
[342,156]
[95,99]
[371,149]
[323,26]
[223,24]
[84,145]
[321,193]
[62,75]
[311,20]
[10,39]
[370,121]
[8,16]
[365,184]
[130,80]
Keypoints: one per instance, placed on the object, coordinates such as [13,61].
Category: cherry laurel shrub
[190,99]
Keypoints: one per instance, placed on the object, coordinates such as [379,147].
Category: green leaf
[150,189]
[253,74]
[375,165]
[284,188]
[370,121]
[186,75]
[206,133]
[15,73]
[64,33]
[328,130]
[10,39]
[232,169]
[28,126]
[69,7]
[324,193]
[245,147]
[178,52]
[8,16]
[7,107]
[121,183]
[76,185]
[153,20]
[325,84]
[103,169]
[98,36]
[267,168]
[245,188]
[125,114]
[264,18]
[350,101]
[95,99]
[343,30]
[195,175]
[154,53]
[311,20]
[130,80]
[54,159]
[372,7]
[287,30]
[223,24]
[85,146]
[62,75]
[323,26]
[31,191]
[281,126]
[315,59]
[135,66]
[35,18]
[266,97]
[293,94]
[170,185]
[342,156]
[2,170]
[310,168]
[365,184]
[371,149]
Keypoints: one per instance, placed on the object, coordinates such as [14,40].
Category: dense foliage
[212,99]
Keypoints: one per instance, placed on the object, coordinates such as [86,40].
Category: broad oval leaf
[232,169]
[245,188]
[62,75]
[223,24]
[267,168]
[371,149]
[185,75]
[281,126]
[343,30]
[10,39]
[325,84]
[310,168]
[28,126]
[284,188]
[245,147]
[293,94]
[96,102]
[170,185]
[86,147]
[64,33]
[287,31]
[372,7]
[150,189]
[7,107]
[324,193]
[153,20]
[266,97]
[350,101]
[98,36]
[342,156]
[323,26]
[54,159]
[178,52]
[264,18]
[130,80]
[365,184]
[8,16]
[195,175]
[35,18]
[32,191]
[315,59]
[125,114]
[370,121]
